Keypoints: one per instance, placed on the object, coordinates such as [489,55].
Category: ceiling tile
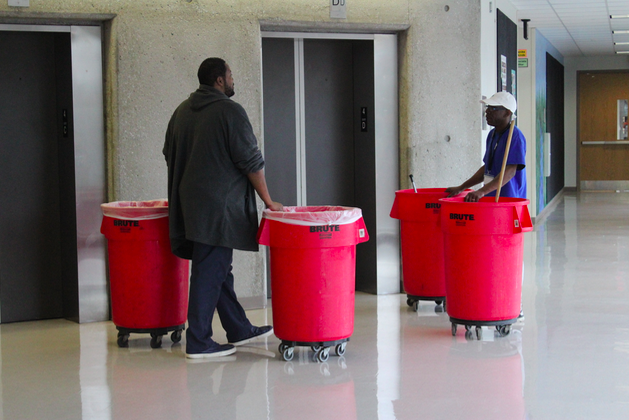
[586,22]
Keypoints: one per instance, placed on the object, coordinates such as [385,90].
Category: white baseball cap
[502,99]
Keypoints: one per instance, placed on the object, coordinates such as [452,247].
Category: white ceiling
[577,27]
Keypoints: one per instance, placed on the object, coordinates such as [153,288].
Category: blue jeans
[212,288]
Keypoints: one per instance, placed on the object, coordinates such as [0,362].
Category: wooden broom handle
[504,160]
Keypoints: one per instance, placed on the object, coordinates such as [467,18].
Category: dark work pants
[212,288]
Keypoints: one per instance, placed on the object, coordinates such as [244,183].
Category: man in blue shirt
[499,113]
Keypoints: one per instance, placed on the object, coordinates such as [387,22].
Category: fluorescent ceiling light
[618,16]
[622,52]
[621,43]
[621,32]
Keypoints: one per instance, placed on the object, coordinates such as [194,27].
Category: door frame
[91,290]
[387,167]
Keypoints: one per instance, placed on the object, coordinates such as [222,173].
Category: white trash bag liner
[136,210]
[315,215]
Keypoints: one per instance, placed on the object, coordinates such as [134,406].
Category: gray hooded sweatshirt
[210,148]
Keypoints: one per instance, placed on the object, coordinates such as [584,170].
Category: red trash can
[419,213]
[484,250]
[148,283]
[313,274]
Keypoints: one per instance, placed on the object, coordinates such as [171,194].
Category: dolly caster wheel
[503,330]
[176,336]
[316,348]
[123,340]
[288,353]
[453,329]
[323,355]
[156,341]
[479,332]
[340,349]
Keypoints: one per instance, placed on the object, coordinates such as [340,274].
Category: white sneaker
[218,351]
[258,332]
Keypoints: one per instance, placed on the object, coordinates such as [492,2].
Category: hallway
[567,360]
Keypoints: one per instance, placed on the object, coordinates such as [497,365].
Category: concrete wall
[439,87]
[572,65]
[153,48]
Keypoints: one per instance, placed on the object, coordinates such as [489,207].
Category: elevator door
[280,119]
[30,217]
[316,150]
[329,102]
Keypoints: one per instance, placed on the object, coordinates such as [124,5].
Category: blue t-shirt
[494,154]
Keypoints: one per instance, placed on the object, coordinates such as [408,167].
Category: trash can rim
[136,210]
[314,215]
[421,191]
[488,201]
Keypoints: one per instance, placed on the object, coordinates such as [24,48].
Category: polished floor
[569,359]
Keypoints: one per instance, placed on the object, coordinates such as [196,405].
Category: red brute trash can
[149,284]
[422,243]
[313,274]
[483,248]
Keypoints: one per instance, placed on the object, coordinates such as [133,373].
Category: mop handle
[413,182]
[504,160]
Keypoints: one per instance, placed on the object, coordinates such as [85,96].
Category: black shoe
[256,332]
[215,351]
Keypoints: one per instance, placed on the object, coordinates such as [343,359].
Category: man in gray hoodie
[214,166]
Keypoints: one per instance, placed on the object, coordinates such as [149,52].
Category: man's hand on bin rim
[275,206]
[454,191]
[474,196]
[258,181]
